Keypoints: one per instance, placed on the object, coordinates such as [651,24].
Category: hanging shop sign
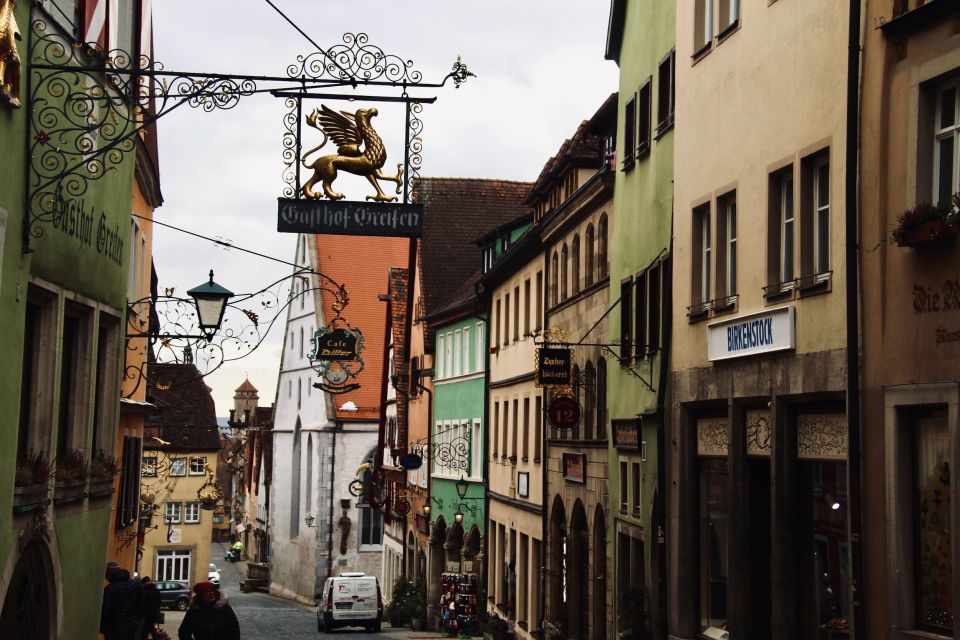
[564,412]
[336,357]
[553,367]
[411,461]
[339,344]
[350,218]
[626,434]
[575,467]
[764,332]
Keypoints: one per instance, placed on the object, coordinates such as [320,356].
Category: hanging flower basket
[101,487]
[28,498]
[69,491]
[925,223]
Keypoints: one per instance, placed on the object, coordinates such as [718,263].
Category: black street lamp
[211,301]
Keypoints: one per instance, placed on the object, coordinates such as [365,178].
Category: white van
[350,600]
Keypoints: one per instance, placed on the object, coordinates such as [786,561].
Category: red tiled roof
[361,265]
[246,386]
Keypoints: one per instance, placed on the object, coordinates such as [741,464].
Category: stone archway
[557,588]
[598,615]
[437,559]
[453,547]
[29,609]
[578,574]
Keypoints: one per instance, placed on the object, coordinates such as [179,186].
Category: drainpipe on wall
[661,513]
[333,465]
[545,462]
[852,281]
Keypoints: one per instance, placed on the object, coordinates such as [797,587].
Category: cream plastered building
[757,529]
[514,279]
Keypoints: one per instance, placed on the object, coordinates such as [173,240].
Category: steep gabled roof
[457,211]
[361,265]
[186,416]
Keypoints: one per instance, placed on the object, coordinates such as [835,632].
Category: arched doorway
[437,559]
[599,572]
[454,547]
[29,612]
[471,550]
[578,574]
[557,588]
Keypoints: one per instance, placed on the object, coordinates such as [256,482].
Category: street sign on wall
[773,330]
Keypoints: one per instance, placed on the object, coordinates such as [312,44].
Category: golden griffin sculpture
[349,131]
[9,58]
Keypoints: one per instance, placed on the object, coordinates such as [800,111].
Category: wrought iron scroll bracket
[86,107]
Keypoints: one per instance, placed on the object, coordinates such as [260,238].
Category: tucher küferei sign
[553,367]
[348,218]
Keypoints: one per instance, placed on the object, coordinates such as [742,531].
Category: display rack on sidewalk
[458,603]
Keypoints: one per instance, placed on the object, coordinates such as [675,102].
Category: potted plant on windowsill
[30,482]
[70,473]
[103,469]
[925,223]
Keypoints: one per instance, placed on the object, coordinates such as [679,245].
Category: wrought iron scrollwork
[451,453]
[355,59]
[172,327]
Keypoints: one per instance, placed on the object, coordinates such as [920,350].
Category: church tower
[245,399]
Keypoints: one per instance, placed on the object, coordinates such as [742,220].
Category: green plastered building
[641,40]
[65,243]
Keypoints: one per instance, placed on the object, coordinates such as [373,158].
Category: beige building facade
[514,279]
[574,203]
[911,318]
[758,510]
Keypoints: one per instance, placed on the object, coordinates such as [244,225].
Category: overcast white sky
[540,71]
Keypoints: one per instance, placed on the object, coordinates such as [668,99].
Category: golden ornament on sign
[349,131]
[9,58]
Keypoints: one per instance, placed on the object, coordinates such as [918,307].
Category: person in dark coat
[122,611]
[151,607]
[209,617]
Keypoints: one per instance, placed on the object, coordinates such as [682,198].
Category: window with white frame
[728,14]
[171,512]
[457,350]
[815,216]
[946,160]
[441,342]
[178,467]
[198,466]
[173,565]
[191,512]
[448,356]
[480,353]
[701,258]
[465,352]
[702,25]
[727,258]
[780,267]
[476,450]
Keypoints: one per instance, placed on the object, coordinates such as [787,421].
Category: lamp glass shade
[426,510]
[211,300]
[458,516]
[462,486]
[308,519]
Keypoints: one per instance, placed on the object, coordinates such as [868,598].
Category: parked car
[350,600]
[213,575]
[174,595]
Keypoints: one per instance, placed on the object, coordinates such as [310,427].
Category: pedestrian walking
[210,616]
[151,608]
[122,611]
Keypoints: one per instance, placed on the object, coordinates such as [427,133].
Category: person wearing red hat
[209,617]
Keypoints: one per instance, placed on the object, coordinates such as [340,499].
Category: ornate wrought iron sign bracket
[88,106]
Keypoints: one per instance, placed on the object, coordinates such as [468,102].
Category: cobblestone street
[265,617]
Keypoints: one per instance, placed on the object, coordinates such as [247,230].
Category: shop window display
[458,603]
